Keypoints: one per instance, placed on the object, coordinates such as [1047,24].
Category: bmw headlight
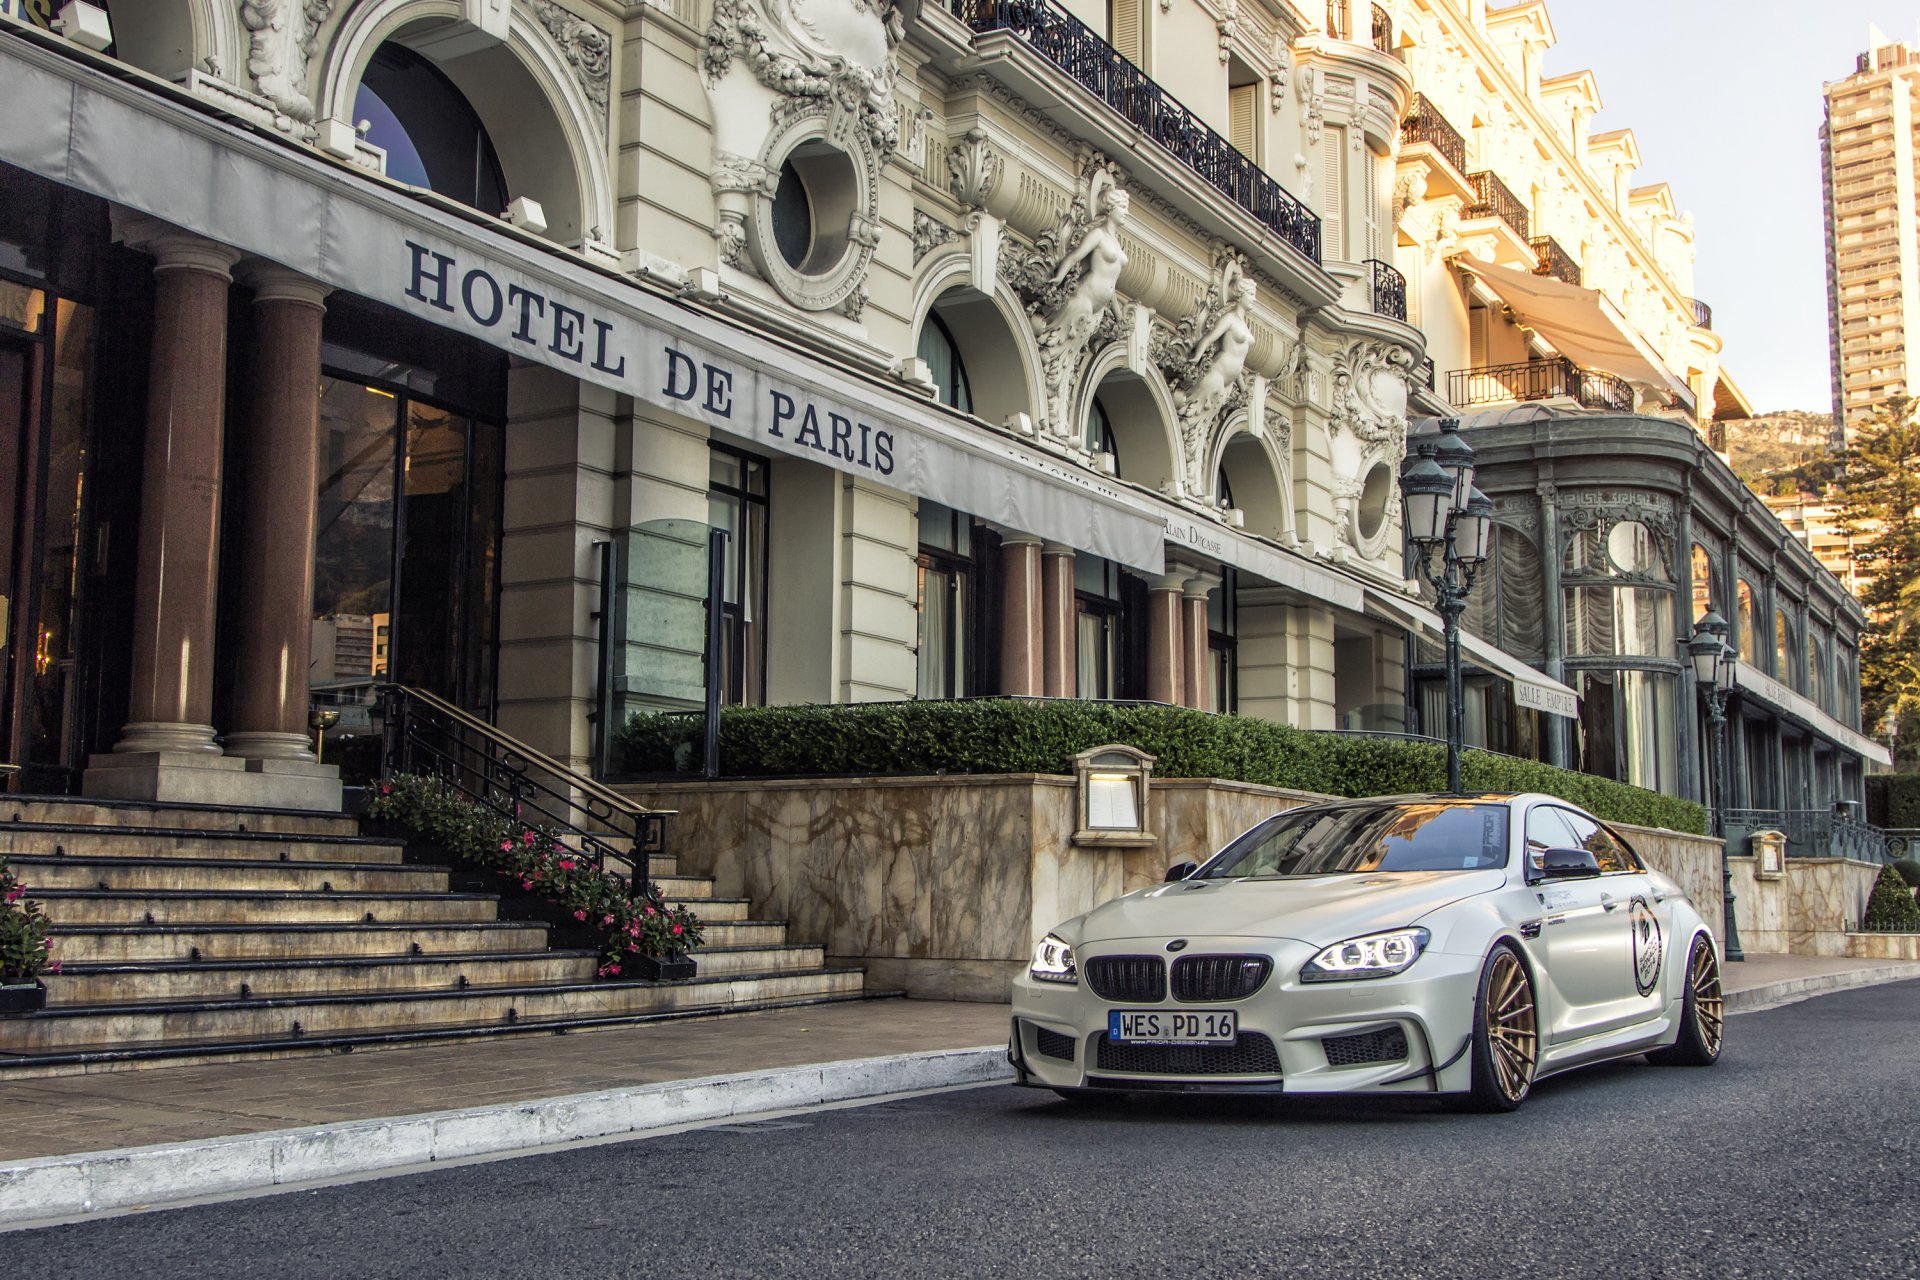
[1378,955]
[1053,961]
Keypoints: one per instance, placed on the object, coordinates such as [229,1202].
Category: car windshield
[1337,839]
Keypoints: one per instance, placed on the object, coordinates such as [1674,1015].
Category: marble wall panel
[1809,911]
[1693,862]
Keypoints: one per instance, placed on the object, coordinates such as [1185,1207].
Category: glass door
[15,383]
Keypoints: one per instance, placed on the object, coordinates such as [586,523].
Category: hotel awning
[1758,685]
[125,142]
[1532,688]
[1580,323]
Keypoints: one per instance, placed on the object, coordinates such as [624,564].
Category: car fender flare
[1466,1043]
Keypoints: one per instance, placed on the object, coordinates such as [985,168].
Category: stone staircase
[190,932]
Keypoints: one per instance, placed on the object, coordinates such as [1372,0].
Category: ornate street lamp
[1450,521]
[1713,664]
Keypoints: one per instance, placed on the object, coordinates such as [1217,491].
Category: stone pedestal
[195,777]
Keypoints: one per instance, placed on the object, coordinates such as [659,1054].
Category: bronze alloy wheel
[1512,1039]
[1709,1005]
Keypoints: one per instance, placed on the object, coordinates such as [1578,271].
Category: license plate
[1172,1026]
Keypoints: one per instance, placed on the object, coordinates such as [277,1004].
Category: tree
[1880,505]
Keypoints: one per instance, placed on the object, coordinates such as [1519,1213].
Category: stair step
[684,888]
[784,958]
[219,875]
[159,813]
[745,933]
[119,944]
[58,1029]
[92,907]
[76,840]
[145,983]
[714,909]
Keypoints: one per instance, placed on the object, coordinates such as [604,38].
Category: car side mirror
[1568,864]
[1181,870]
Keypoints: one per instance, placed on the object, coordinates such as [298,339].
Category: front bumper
[1403,1034]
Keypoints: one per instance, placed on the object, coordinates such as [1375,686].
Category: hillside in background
[1782,453]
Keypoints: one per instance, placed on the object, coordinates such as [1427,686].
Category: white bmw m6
[1464,946]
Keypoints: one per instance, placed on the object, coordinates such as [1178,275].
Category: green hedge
[1893,799]
[1014,736]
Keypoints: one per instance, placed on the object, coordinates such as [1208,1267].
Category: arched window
[431,135]
[942,355]
[1747,627]
[1100,434]
[1222,488]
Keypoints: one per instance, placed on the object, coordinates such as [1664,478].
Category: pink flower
[566,864]
[633,930]
[652,912]
[526,838]
[677,931]
[54,967]
[526,884]
[386,788]
[608,919]
[633,946]
[579,915]
[506,846]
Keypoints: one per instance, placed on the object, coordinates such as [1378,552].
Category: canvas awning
[1580,323]
[1532,688]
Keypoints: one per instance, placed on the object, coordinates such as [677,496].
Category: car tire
[1506,1040]
[1703,1013]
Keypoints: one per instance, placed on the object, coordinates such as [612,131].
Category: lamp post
[1713,664]
[1450,521]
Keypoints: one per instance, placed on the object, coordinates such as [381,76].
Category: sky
[1723,97]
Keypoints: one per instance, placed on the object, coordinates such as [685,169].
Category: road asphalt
[1795,1156]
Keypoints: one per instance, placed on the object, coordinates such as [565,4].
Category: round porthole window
[813,237]
[1370,512]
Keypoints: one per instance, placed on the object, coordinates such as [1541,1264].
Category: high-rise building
[1867,165]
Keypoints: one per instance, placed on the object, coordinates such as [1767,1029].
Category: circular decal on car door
[1646,946]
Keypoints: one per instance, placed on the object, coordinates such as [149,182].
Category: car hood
[1320,910]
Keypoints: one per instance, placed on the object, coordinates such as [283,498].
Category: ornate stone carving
[1603,508]
[283,39]
[1069,281]
[1227,25]
[1282,65]
[745,175]
[838,52]
[1204,359]
[1314,101]
[588,50]
[975,167]
[929,233]
[1363,403]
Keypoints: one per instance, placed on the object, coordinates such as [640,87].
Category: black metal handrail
[1702,314]
[1811,833]
[1389,289]
[1383,32]
[1539,380]
[1072,46]
[1550,259]
[1424,123]
[1339,20]
[1492,199]
[427,735]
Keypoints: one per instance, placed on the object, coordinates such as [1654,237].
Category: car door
[1632,953]
[1578,935]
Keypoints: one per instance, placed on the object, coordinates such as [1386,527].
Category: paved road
[1799,1155]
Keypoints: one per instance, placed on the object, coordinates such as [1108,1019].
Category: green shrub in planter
[1008,735]
[531,860]
[1892,906]
[25,951]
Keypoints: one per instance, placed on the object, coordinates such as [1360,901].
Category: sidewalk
[79,1144]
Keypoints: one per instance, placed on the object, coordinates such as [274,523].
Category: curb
[58,1187]
[1789,990]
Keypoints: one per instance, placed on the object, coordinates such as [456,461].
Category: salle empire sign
[673,374]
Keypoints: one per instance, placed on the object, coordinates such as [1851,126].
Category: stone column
[1164,643]
[1196,666]
[275,569]
[1021,645]
[1058,626]
[171,706]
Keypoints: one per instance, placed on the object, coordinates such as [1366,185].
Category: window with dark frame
[737,503]
[948,583]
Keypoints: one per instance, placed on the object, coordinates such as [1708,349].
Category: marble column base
[268,745]
[216,781]
[168,737]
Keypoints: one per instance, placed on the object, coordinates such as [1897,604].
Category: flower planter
[661,968]
[564,933]
[22,997]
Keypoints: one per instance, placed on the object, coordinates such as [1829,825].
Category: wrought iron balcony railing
[1812,833]
[1491,199]
[1424,123]
[1539,380]
[1702,314]
[1070,45]
[1552,260]
[1389,289]
[1383,32]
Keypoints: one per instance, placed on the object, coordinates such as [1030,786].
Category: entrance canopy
[1580,323]
[1531,688]
[123,142]
[1764,689]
